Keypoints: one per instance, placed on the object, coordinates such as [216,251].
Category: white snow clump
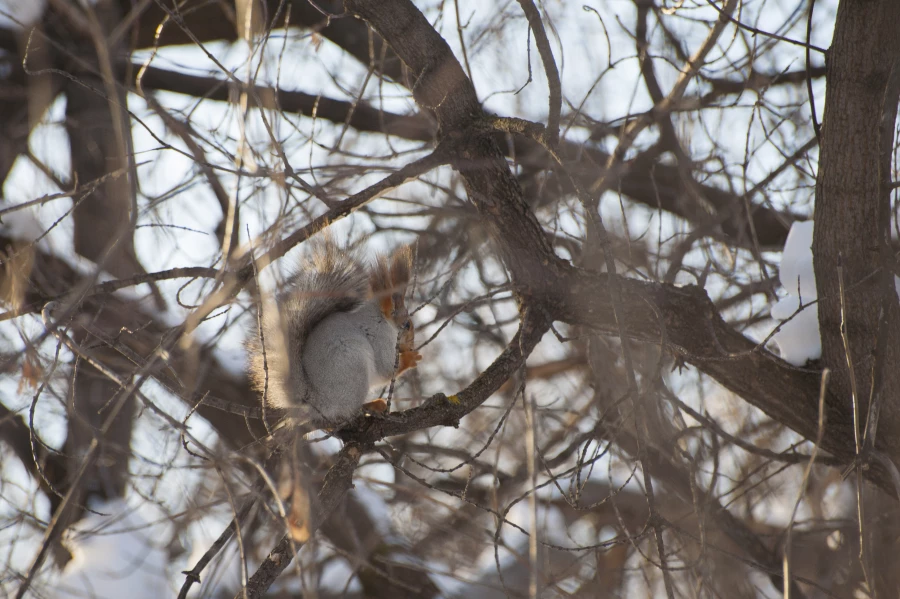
[798,339]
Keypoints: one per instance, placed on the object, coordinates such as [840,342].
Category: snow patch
[798,339]
[116,554]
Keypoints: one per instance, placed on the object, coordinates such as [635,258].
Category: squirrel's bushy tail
[331,279]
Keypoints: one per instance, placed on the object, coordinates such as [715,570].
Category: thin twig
[857,432]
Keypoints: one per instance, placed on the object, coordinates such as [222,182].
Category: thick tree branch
[209,21]
[362,116]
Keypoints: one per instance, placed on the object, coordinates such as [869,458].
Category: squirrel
[338,329]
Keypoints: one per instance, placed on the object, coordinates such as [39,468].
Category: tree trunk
[859,314]
[852,210]
[100,147]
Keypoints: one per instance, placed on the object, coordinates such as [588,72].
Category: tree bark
[859,315]
[852,212]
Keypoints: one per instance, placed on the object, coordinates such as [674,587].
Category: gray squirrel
[338,329]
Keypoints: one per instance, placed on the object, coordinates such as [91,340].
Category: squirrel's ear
[401,266]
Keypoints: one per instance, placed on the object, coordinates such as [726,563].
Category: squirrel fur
[338,329]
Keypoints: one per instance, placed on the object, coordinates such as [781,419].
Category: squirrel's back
[332,280]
